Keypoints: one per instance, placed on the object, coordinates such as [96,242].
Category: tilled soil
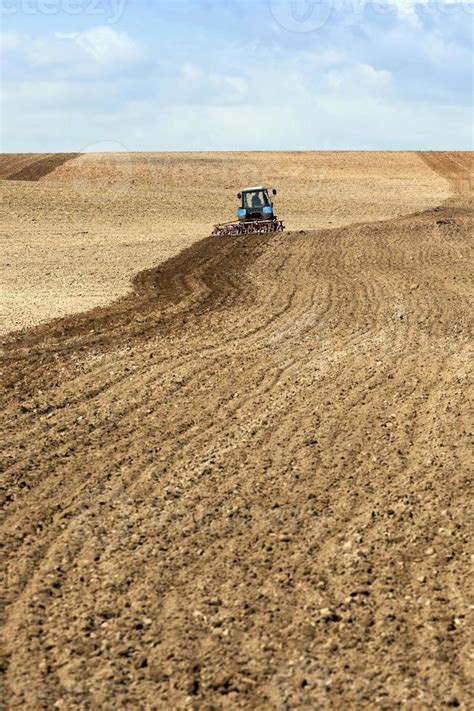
[74,237]
[31,166]
[246,484]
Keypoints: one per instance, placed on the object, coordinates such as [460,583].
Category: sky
[139,75]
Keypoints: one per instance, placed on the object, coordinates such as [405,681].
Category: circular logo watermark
[301,15]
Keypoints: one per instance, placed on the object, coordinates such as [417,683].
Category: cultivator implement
[253,227]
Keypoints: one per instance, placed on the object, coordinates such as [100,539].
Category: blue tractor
[254,216]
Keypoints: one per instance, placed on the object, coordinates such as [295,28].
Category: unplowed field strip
[246,483]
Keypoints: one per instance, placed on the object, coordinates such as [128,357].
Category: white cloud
[10,41]
[99,49]
[359,78]
[106,46]
[200,86]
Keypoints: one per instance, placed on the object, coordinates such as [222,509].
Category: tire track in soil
[244,515]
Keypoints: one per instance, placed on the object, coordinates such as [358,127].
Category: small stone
[214,601]
[193,687]
[329,616]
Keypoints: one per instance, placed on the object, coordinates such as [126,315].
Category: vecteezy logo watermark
[311,15]
[301,15]
[111,10]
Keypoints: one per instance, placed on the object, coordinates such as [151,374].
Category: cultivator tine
[253,227]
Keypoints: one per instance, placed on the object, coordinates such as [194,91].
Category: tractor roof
[251,190]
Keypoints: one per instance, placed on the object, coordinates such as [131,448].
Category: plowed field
[245,483]
[75,230]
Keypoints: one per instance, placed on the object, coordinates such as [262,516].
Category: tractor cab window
[255,199]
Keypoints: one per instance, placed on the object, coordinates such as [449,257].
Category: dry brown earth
[76,237]
[246,484]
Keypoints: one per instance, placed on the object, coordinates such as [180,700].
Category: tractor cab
[255,204]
